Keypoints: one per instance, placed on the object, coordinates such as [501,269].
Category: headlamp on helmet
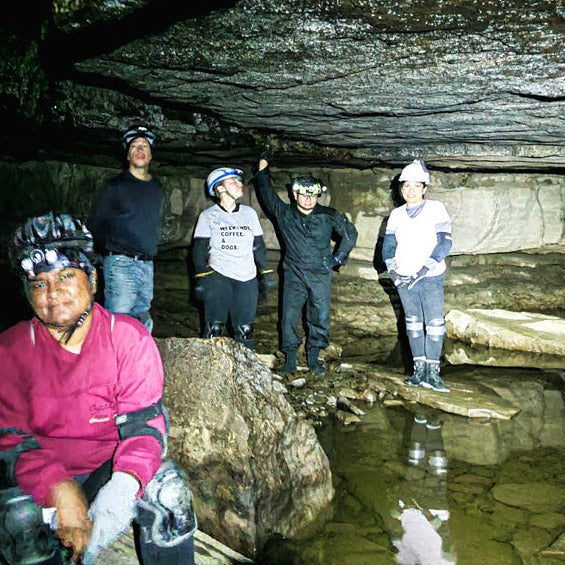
[134,133]
[307,185]
[51,242]
[217,176]
[416,171]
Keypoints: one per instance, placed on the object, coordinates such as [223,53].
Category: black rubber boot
[314,363]
[433,380]
[419,374]
[290,363]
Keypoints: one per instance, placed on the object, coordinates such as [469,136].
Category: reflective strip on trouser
[423,307]
[312,289]
[435,332]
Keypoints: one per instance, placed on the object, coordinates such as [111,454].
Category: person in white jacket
[416,243]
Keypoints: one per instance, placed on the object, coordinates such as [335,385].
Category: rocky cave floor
[366,361]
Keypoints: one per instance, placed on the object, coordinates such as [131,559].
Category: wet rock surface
[473,85]
[523,331]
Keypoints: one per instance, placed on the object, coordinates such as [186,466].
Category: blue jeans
[128,287]
[423,310]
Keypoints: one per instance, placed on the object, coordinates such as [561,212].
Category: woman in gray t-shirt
[228,254]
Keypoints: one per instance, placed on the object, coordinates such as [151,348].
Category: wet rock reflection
[504,502]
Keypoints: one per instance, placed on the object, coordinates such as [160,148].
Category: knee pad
[24,537]
[165,511]
[436,328]
[244,332]
[214,329]
[414,326]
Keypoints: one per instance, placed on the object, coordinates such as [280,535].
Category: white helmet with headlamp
[416,171]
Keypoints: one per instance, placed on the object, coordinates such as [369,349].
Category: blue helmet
[221,174]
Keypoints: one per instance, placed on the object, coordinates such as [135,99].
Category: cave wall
[491,212]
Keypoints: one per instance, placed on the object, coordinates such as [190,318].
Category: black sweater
[127,215]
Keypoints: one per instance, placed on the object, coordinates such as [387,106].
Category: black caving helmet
[307,185]
[51,242]
[134,133]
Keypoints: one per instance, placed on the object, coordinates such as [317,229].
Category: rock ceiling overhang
[464,84]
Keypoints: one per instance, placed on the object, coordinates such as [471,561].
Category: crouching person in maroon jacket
[82,425]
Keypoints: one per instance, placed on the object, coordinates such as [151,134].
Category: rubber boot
[433,380]
[289,363]
[419,374]
[313,362]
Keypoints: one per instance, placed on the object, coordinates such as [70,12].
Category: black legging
[229,297]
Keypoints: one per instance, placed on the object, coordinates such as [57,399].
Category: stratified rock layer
[471,85]
[255,467]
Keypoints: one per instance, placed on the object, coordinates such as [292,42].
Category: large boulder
[255,467]
[524,331]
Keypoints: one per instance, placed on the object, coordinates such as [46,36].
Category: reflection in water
[459,353]
[501,500]
[423,509]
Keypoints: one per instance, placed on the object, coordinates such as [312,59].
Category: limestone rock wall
[491,212]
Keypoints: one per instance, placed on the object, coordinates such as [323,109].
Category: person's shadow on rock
[401,353]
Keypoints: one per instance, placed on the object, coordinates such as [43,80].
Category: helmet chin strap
[69,330]
[230,195]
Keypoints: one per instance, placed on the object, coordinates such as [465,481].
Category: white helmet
[221,174]
[416,171]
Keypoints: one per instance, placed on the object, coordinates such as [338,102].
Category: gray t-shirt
[231,240]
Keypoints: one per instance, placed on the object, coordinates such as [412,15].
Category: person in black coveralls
[307,229]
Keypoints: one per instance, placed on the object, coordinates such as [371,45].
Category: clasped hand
[407,281]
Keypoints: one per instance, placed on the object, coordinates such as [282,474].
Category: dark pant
[313,289]
[423,310]
[149,553]
[228,297]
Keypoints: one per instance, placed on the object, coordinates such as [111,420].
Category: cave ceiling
[465,84]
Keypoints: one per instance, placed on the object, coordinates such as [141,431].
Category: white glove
[111,512]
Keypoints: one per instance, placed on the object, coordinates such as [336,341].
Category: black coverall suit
[308,263]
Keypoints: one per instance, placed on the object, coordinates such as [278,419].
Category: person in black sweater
[125,222]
